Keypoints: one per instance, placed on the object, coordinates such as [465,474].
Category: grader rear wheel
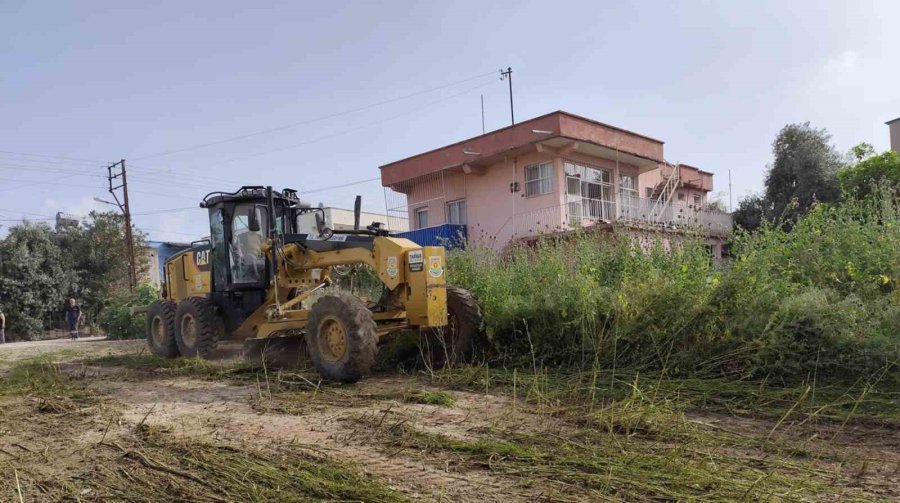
[341,338]
[161,329]
[197,327]
[462,337]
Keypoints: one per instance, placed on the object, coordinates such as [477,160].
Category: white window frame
[418,213]
[461,215]
[544,174]
[629,197]
[580,205]
[698,201]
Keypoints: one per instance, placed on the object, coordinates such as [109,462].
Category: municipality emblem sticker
[392,266]
[435,266]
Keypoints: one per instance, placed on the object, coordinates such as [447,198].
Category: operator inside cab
[247,261]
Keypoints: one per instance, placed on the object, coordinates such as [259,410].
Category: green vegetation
[578,394]
[639,441]
[802,174]
[432,398]
[157,466]
[38,377]
[871,173]
[818,302]
[116,318]
[145,366]
[43,267]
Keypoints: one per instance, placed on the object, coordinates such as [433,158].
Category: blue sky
[99,81]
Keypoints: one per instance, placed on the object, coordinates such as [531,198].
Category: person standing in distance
[73,318]
[2,327]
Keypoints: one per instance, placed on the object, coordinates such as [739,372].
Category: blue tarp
[447,235]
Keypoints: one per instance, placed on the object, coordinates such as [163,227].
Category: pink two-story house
[547,175]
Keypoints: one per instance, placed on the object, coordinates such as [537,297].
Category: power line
[168,210]
[358,128]
[323,189]
[50,156]
[310,121]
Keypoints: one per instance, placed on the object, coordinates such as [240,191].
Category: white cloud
[845,62]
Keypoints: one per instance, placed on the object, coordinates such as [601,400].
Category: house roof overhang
[892,121]
[559,133]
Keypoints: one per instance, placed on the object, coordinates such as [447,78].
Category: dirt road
[104,431]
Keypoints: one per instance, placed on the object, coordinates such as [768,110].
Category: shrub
[822,299]
[116,318]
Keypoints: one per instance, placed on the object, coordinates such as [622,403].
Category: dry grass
[573,436]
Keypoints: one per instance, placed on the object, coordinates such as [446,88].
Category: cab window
[247,261]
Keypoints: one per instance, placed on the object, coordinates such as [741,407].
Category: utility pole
[482,114]
[730,206]
[507,75]
[117,171]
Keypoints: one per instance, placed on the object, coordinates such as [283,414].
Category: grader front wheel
[197,327]
[342,338]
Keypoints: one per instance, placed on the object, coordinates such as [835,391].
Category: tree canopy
[803,172]
[41,267]
[871,173]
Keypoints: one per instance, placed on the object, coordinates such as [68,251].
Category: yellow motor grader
[255,274]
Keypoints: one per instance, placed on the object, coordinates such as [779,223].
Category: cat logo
[435,266]
[202,258]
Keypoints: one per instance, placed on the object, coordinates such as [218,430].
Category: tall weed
[822,299]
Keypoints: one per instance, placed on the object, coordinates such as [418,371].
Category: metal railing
[637,211]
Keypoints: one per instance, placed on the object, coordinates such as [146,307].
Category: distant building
[548,175]
[342,219]
[66,220]
[894,126]
[158,252]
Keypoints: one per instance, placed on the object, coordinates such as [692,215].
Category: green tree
[862,151]
[804,171]
[34,278]
[98,254]
[751,212]
[872,173]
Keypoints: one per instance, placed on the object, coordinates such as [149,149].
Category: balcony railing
[639,212]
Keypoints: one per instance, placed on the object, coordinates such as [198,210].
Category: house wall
[895,135]
[492,210]
[702,180]
[689,194]
[489,200]
[648,239]
[577,127]
[342,219]
[155,268]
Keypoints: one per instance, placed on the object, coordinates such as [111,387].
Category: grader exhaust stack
[244,284]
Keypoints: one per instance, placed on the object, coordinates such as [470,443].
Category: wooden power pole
[117,171]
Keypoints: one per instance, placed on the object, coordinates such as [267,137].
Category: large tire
[341,338]
[463,336]
[161,329]
[197,327]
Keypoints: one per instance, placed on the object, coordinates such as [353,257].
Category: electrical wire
[310,121]
[358,128]
[150,174]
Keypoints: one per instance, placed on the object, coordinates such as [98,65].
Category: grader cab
[253,278]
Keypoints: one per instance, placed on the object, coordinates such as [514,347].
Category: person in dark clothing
[73,317]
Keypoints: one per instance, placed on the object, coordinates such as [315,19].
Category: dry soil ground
[97,420]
